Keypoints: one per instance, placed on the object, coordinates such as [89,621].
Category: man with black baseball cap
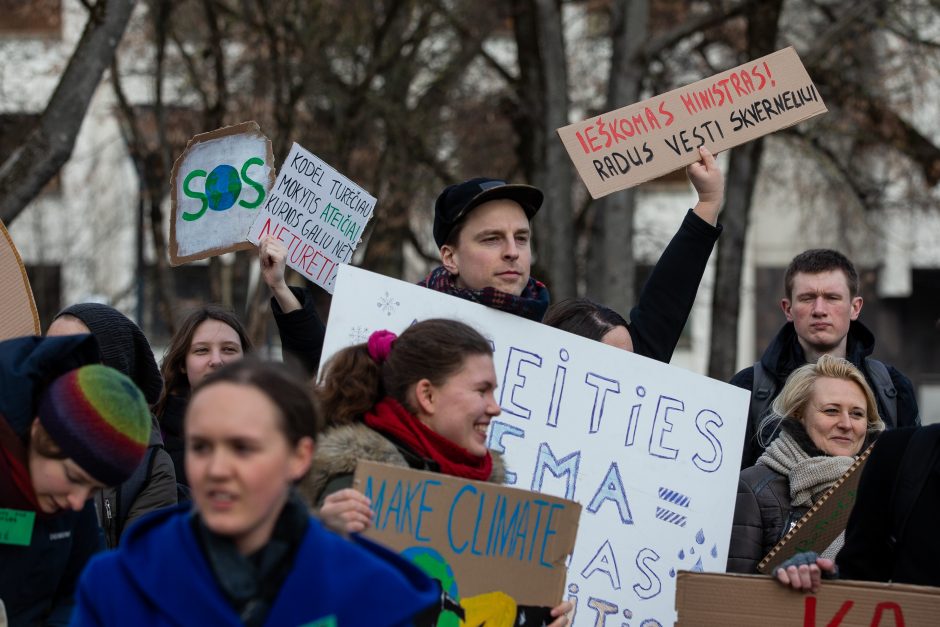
[482,229]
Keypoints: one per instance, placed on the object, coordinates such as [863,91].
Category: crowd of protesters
[217,489]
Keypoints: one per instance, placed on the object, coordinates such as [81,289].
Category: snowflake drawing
[388,304]
[358,335]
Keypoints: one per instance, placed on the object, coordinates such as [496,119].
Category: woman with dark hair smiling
[206,340]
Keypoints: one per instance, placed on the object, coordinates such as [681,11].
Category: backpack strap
[917,462]
[884,389]
[763,392]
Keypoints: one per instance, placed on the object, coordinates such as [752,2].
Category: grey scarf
[810,476]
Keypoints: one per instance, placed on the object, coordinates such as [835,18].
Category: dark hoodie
[37,581]
[784,355]
[125,348]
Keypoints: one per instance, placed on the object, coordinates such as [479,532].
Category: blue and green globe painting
[436,567]
[223,186]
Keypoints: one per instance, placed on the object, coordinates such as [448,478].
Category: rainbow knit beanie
[99,419]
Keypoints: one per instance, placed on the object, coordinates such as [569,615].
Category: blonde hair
[797,391]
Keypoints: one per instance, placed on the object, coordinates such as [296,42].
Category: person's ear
[856,308]
[786,307]
[425,397]
[301,459]
[449,259]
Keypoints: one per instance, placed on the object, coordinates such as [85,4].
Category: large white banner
[651,451]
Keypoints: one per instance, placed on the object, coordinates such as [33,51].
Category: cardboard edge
[691,158]
[248,127]
[29,290]
[768,560]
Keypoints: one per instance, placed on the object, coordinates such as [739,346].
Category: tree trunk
[612,233]
[24,174]
[557,212]
[740,182]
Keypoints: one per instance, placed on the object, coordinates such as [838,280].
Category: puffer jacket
[341,448]
[154,490]
[762,516]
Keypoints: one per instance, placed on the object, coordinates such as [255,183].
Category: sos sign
[222,187]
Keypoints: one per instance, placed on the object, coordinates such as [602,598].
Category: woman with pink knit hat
[68,427]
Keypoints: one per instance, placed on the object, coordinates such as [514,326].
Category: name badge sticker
[16,526]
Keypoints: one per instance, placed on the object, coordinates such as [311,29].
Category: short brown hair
[817,260]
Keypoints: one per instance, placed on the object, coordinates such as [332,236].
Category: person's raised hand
[709,182]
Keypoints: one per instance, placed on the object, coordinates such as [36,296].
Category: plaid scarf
[531,304]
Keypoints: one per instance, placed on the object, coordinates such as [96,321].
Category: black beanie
[123,345]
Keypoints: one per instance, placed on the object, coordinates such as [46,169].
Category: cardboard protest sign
[651,138]
[217,186]
[475,537]
[318,213]
[709,600]
[824,521]
[652,452]
[18,315]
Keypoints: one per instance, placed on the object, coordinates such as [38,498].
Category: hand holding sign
[317,213]
[217,185]
[645,140]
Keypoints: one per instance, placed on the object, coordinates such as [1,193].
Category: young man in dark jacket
[822,305]
[482,227]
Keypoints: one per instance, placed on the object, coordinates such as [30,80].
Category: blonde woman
[827,415]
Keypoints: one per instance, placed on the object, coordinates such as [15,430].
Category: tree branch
[33,164]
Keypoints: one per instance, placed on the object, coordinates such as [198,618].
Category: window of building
[32,18]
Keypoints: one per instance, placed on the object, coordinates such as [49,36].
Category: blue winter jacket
[160,576]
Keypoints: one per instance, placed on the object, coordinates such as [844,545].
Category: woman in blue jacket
[248,552]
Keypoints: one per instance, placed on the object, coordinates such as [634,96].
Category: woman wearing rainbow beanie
[68,426]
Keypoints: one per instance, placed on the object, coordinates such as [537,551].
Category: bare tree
[25,172]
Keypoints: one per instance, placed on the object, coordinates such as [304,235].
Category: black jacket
[301,331]
[656,322]
[666,300]
[868,552]
[784,355]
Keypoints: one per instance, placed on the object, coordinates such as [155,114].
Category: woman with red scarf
[423,400]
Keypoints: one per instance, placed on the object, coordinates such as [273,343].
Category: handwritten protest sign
[218,184]
[18,315]
[475,537]
[318,213]
[824,521]
[709,600]
[652,452]
[648,139]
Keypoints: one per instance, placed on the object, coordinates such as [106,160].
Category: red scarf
[16,488]
[390,418]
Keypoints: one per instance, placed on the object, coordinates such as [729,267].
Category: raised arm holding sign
[643,141]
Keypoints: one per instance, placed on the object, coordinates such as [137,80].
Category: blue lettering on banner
[611,489]
[653,584]
[498,429]
[662,425]
[601,385]
[604,562]
[511,384]
[567,466]
[705,419]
